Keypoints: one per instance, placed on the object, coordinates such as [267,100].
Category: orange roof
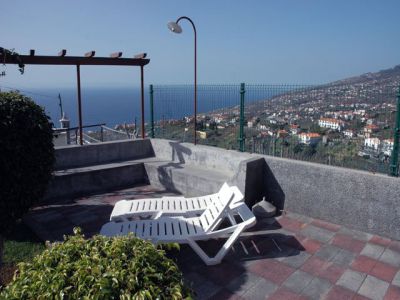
[311,134]
[371,126]
[329,120]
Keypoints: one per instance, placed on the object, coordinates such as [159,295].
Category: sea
[114,106]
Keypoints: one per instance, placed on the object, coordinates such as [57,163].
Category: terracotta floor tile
[363,264]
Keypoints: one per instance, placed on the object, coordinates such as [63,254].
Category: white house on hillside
[349,133]
[372,143]
[309,138]
[330,123]
[387,146]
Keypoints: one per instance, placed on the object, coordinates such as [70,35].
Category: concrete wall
[199,155]
[94,154]
[361,200]
[365,201]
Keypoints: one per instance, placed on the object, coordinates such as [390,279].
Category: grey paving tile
[317,288]
[343,257]
[373,288]
[391,257]
[351,280]
[372,250]
[298,281]
[328,252]
[317,233]
[295,261]
[359,235]
[260,290]
[396,279]
[241,284]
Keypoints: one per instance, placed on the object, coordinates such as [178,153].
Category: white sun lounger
[190,230]
[125,210]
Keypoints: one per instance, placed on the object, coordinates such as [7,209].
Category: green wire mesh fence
[217,114]
[341,124]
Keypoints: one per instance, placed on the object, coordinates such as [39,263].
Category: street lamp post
[174,27]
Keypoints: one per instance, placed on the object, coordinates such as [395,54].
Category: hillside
[366,89]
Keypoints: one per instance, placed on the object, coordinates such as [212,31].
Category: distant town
[347,123]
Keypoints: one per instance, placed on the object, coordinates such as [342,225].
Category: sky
[265,41]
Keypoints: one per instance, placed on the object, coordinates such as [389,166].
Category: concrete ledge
[88,180]
[96,154]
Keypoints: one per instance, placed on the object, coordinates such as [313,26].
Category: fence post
[394,163]
[152,110]
[241,129]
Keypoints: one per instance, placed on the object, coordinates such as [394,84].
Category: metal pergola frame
[87,60]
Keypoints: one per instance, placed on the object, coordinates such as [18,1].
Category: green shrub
[98,268]
[26,156]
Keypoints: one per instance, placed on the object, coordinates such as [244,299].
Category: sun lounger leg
[221,253]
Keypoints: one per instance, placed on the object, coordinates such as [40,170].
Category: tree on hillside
[26,157]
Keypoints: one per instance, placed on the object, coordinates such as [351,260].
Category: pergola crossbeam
[87,60]
[74,60]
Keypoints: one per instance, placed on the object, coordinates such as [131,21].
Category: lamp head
[174,27]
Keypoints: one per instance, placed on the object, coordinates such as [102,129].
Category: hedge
[99,268]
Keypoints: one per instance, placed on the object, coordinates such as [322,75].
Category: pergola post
[78,78]
[142,99]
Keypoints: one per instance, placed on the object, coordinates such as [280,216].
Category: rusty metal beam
[74,60]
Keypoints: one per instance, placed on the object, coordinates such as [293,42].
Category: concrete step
[75,182]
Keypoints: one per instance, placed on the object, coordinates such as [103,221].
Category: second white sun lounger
[125,210]
[168,229]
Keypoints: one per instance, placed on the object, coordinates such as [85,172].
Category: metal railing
[104,134]
[342,124]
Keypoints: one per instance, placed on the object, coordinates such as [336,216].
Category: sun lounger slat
[146,231]
[147,205]
[213,210]
[218,203]
[190,204]
[175,227]
[190,227]
[197,225]
[137,203]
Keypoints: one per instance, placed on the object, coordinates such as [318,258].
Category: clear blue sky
[285,41]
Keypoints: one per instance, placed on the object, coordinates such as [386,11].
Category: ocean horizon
[114,106]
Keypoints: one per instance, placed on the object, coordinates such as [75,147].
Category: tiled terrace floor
[289,257]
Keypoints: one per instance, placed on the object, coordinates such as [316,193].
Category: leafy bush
[98,268]
[26,156]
